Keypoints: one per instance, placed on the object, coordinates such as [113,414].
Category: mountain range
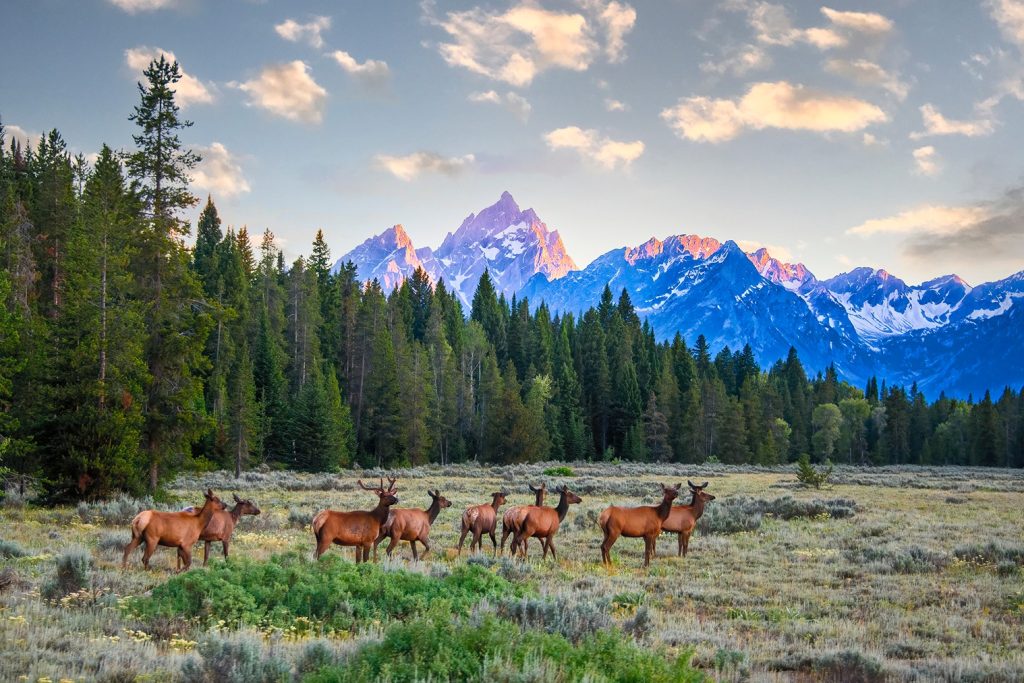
[943,334]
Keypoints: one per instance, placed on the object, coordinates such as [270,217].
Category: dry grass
[923,582]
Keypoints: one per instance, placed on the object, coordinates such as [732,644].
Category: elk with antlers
[222,525]
[482,519]
[178,530]
[542,522]
[357,528]
[513,517]
[639,522]
[412,525]
[683,518]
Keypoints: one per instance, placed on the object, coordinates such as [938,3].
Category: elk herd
[366,529]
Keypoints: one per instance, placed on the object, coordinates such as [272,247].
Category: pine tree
[656,432]
[176,332]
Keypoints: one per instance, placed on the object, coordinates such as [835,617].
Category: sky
[838,135]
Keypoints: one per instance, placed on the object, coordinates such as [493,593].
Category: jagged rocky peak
[789,275]
[693,245]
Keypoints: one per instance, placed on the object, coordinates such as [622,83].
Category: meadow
[894,573]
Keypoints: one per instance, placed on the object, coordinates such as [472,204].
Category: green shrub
[438,648]
[572,619]
[331,593]
[807,475]
[9,549]
[993,552]
[560,471]
[73,568]
[234,659]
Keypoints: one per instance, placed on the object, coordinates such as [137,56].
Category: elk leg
[148,552]
[686,543]
[504,536]
[206,552]
[391,545]
[648,550]
[494,542]
[128,549]
[224,543]
[551,546]
[462,538]
[186,557]
[412,544]
[475,545]
[426,545]
[322,544]
[679,536]
[606,546]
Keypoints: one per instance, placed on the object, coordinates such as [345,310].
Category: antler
[371,488]
[391,484]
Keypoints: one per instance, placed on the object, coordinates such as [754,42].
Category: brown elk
[638,522]
[683,518]
[178,530]
[542,522]
[513,516]
[482,519]
[222,525]
[412,525]
[357,528]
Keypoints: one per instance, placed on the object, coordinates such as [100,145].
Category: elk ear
[692,485]
[704,485]
[209,493]
[235,496]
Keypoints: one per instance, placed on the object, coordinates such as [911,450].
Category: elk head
[537,489]
[387,495]
[498,498]
[570,497]
[699,493]
[441,501]
[214,501]
[670,492]
[246,506]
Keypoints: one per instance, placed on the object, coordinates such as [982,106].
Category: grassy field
[893,574]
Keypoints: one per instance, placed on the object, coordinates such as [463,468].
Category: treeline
[126,356]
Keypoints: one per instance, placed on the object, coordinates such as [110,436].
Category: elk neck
[433,510]
[236,512]
[664,509]
[697,505]
[206,512]
[381,511]
[563,506]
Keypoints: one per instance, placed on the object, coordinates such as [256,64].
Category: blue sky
[837,134]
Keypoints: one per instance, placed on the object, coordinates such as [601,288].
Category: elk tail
[140,522]
[318,522]
[602,521]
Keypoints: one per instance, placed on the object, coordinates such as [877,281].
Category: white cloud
[866,72]
[937,124]
[1009,16]
[219,172]
[776,251]
[287,90]
[870,140]
[617,19]
[591,145]
[740,62]
[928,218]
[527,39]
[926,161]
[24,137]
[309,32]
[372,73]
[770,105]
[410,166]
[861,22]
[133,6]
[513,102]
[615,105]
[188,91]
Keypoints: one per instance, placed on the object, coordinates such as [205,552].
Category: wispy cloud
[287,90]
[220,172]
[615,105]
[371,74]
[25,138]
[515,45]
[136,6]
[770,105]
[937,124]
[309,32]
[513,102]
[739,62]
[188,91]
[866,72]
[411,166]
[926,161]
[588,143]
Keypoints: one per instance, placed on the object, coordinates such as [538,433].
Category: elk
[222,525]
[639,522]
[542,522]
[482,519]
[357,528]
[178,530]
[683,518]
[412,525]
[513,516]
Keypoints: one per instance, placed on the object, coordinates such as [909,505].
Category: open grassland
[893,574]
